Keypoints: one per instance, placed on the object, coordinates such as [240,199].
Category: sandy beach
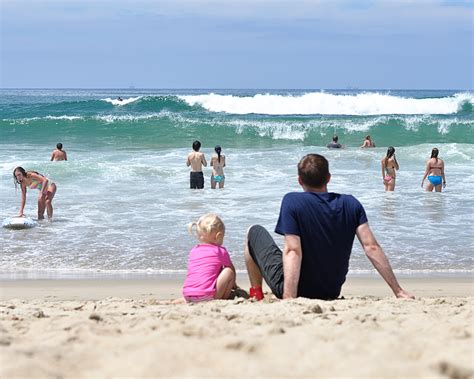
[127,328]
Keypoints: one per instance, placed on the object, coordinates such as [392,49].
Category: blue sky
[420,44]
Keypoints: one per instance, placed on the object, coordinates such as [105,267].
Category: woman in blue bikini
[217,164]
[435,172]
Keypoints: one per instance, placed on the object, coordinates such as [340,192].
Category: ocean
[123,200]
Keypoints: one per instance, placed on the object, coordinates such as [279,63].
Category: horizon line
[238,89]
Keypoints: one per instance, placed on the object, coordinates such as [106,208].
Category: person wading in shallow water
[59,154]
[196,160]
[334,144]
[367,142]
[435,172]
[217,164]
[389,167]
[34,180]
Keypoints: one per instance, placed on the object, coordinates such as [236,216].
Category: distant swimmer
[34,180]
[389,166]
[196,160]
[435,172]
[334,144]
[119,98]
[59,154]
[218,164]
[368,142]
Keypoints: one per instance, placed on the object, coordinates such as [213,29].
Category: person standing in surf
[34,180]
[389,167]
[435,172]
[59,154]
[334,144]
[218,164]
[196,160]
[368,143]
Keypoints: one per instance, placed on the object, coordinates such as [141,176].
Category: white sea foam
[26,120]
[329,104]
[109,118]
[123,101]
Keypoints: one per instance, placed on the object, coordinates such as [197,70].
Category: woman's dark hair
[434,153]
[15,180]
[24,172]
[313,170]
[390,152]
[218,150]
[59,146]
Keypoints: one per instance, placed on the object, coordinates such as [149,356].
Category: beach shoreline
[168,286]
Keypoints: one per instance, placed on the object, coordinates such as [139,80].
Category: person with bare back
[59,154]
[435,172]
[218,164]
[196,160]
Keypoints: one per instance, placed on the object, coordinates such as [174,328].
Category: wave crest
[363,104]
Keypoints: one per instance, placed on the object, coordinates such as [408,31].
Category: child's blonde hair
[207,224]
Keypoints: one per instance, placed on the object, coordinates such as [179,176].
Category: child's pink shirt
[205,263]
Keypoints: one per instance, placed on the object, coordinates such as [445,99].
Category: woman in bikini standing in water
[218,164]
[389,166]
[34,180]
[435,172]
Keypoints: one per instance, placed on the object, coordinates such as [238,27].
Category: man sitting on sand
[319,229]
[196,160]
[59,154]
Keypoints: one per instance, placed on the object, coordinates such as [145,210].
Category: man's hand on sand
[404,295]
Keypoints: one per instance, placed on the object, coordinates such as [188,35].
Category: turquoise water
[123,200]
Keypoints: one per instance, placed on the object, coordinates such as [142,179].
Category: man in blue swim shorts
[319,229]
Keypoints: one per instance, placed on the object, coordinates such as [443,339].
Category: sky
[268,44]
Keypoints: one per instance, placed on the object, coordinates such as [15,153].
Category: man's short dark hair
[59,146]
[313,170]
[196,145]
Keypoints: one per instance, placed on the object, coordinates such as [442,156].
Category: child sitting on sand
[211,274]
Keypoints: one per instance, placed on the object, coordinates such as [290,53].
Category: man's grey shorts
[268,257]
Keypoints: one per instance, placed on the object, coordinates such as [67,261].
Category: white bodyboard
[18,223]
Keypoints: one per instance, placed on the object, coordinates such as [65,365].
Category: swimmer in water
[59,154]
[334,144]
[368,142]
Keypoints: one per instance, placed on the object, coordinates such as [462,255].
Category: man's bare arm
[380,261]
[292,256]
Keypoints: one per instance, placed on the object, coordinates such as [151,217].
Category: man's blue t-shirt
[326,224]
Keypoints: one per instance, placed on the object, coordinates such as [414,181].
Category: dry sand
[124,328]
